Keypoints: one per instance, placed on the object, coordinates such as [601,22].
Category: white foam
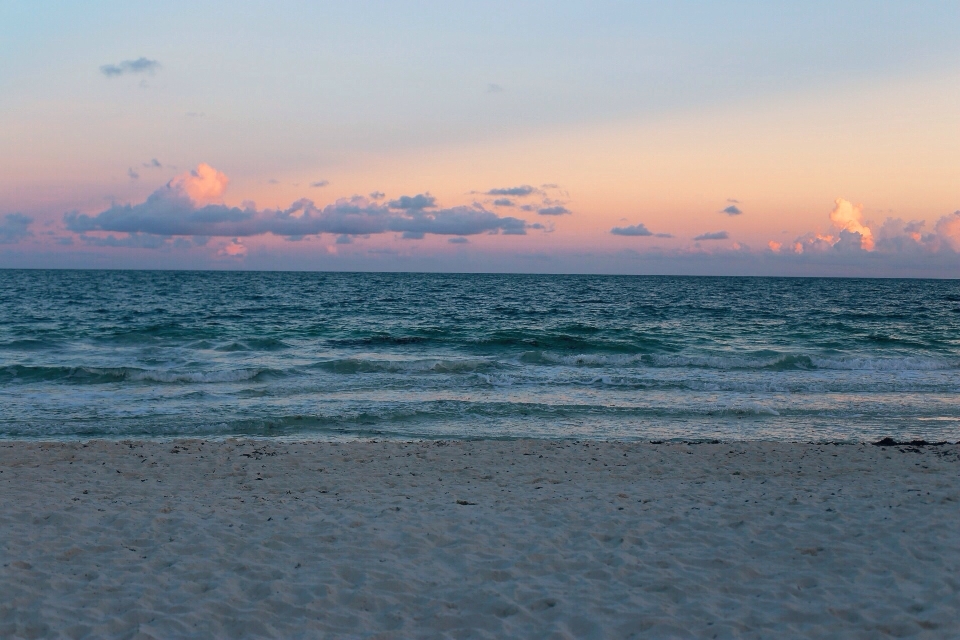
[237,375]
[905,363]
[747,408]
[496,380]
[424,365]
[716,362]
[592,359]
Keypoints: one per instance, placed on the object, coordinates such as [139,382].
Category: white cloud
[847,216]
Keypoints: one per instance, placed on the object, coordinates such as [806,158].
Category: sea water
[373,355]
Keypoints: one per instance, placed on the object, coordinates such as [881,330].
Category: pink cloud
[893,236]
[847,216]
[203,184]
[235,249]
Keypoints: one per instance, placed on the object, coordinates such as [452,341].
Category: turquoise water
[151,353]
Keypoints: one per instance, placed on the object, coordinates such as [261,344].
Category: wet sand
[486,539]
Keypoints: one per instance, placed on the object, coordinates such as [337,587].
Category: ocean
[381,355]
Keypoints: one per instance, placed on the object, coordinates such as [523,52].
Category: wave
[155,333]
[104,375]
[29,344]
[565,341]
[773,362]
[80,375]
[448,411]
[253,344]
[745,409]
[903,363]
[737,418]
[235,375]
[665,360]
[413,366]
[582,359]
[752,381]
[885,339]
[379,339]
[496,380]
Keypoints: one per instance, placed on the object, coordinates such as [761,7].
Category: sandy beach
[485,539]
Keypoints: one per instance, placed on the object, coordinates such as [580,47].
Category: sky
[720,138]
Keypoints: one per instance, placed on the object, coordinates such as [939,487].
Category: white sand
[254,538]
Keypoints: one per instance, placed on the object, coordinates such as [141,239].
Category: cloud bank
[894,236]
[189,212]
[186,206]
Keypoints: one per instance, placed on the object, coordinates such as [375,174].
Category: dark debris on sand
[890,442]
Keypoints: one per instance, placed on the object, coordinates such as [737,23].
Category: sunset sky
[754,138]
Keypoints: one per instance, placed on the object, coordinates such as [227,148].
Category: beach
[478,539]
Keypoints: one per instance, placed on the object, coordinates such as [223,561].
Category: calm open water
[159,353]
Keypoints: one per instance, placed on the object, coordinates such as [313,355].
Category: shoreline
[477,538]
[327,439]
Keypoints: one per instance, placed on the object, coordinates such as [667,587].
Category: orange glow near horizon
[793,167]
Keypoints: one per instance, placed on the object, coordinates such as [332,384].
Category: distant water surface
[159,353]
